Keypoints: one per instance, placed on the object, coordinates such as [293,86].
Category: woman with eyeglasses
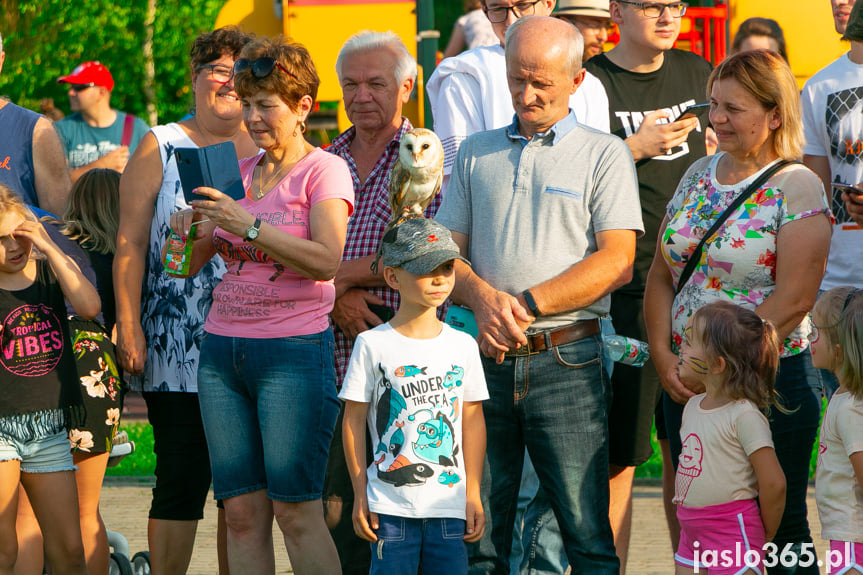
[160,319]
[267,375]
[768,255]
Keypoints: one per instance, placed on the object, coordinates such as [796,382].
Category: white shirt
[832,103]
[469,93]
[837,492]
[714,464]
[415,389]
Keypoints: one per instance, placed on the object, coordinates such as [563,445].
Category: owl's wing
[438,182]
[399,177]
[437,185]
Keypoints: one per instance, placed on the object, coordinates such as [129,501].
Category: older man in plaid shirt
[377,75]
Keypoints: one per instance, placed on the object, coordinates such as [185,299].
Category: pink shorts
[724,539]
[844,558]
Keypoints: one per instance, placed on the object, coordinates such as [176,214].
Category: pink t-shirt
[259,297]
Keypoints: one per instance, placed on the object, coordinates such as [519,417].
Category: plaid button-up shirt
[370,217]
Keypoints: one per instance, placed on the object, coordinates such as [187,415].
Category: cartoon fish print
[390,407]
[456,408]
[403,472]
[453,378]
[409,371]
[448,479]
[436,442]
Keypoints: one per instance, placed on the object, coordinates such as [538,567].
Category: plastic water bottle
[627,350]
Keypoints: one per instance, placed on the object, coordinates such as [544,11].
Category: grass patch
[142,463]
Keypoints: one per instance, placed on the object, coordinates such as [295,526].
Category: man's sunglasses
[261,68]
[81,87]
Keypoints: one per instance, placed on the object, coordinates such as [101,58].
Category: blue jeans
[536,544]
[540,546]
[269,407]
[403,542]
[799,389]
[554,403]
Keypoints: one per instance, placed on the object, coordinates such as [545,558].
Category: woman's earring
[303,126]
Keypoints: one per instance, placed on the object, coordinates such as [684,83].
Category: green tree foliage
[45,39]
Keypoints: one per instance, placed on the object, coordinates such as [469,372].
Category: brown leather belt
[549,338]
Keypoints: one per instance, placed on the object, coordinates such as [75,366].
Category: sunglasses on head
[81,87]
[260,68]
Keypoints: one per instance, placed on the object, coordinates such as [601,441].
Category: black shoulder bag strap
[695,257]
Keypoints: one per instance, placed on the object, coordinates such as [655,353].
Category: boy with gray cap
[419,384]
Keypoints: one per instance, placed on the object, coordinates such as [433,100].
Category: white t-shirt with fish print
[416,389]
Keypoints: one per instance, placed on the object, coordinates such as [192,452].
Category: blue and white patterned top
[173,310]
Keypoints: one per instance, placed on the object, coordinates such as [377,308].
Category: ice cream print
[689,466]
[32,340]
[416,409]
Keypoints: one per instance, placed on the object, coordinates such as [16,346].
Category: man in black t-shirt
[649,84]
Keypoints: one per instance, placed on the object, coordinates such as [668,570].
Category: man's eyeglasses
[218,73]
[655,9]
[498,14]
[81,87]
[261,68]
[596,25]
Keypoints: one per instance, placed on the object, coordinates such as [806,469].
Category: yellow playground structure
[323,26]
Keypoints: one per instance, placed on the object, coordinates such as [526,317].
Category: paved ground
[125,504]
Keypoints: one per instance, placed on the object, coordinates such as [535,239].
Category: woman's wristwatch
[252,231]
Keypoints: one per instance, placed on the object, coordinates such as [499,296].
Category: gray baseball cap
[419,245]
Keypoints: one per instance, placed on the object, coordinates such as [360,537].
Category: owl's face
[420,148]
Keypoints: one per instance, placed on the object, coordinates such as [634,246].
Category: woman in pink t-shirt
[266,380]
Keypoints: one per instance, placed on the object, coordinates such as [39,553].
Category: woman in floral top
[768,256]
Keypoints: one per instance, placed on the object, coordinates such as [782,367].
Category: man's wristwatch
[252,232]
[531,303]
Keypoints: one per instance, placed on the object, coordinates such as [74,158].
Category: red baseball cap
[90,73]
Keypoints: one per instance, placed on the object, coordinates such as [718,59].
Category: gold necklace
[262,185]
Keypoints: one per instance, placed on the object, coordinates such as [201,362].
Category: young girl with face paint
[39,388]
[729,488]
[837,345]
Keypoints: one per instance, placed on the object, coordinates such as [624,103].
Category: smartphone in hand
[213,166]
[692,111]
[850,190]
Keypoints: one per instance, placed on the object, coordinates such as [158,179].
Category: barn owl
[416,178]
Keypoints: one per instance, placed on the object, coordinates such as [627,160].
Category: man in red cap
[96,135]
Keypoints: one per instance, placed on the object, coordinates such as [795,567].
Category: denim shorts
[403,543]
[269,407]
[43,455]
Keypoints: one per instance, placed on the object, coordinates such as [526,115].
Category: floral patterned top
[739,263]
[173,310]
